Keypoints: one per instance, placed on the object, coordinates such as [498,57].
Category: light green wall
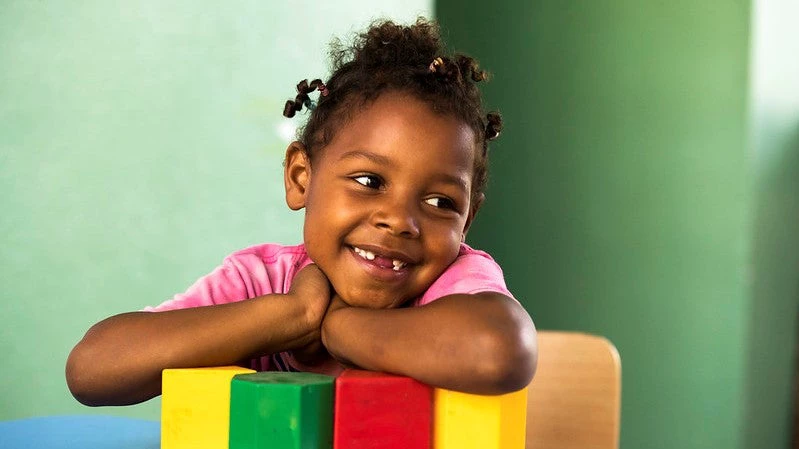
[139,144]
[636,194]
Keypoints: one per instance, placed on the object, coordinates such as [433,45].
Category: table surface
[80,432]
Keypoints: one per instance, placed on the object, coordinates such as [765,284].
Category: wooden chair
[574,401]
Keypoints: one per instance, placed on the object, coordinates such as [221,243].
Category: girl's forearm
[120,359]
[483,343]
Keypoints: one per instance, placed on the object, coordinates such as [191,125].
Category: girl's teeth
[397,264]
[363,253]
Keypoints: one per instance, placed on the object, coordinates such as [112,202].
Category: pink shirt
[269,268]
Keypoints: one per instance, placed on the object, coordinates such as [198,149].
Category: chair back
[574,400]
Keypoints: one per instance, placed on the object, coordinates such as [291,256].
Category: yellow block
[195,407]
[466,421]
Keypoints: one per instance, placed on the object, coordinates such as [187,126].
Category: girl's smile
[387,200]
[383,258]
[383,267]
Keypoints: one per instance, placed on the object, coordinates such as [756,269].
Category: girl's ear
[472,213]
[296,175]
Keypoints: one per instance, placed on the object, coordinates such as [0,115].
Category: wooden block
[381,411]
[195,406]
[466,421]
[281,410]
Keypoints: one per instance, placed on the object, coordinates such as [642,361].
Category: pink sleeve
[472,272]
[249,273]
[223,285]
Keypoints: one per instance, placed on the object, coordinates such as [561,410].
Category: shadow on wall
[772,369]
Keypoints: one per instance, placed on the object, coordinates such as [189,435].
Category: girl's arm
[120,359]
[482,343]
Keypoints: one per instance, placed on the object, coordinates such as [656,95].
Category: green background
[140,144]
[646,187]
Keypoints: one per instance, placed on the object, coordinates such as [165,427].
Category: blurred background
[646,187]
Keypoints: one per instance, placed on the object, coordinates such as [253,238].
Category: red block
[381,411]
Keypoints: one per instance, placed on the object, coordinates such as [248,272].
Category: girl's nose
[398,218]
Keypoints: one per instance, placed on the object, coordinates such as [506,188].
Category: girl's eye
[441,202]
[371,181]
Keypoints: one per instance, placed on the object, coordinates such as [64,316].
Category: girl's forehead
[358,120]
[396,115]
[397,137]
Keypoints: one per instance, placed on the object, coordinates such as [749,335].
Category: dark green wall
[628,198]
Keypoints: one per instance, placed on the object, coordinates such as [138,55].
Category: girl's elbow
[98,373]
[79,378]
[518,370]
[89,376]
[514,363]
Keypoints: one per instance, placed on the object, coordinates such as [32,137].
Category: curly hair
[408,59]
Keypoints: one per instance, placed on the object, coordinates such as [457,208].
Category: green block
[281,410]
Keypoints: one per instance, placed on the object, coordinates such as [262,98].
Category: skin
[395,181]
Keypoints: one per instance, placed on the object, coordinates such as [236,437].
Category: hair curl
[409,59]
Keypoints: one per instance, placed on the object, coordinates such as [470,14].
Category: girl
[390,170]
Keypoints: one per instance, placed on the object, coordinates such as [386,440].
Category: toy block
[195,406]
[281,410]
[381,411]
[466,421]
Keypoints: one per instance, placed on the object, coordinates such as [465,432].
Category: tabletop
[80,432]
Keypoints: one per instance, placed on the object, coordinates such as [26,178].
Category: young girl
[391,169]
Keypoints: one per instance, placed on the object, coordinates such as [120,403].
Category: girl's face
[387,200]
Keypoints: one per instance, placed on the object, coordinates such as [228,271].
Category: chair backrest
[574,401]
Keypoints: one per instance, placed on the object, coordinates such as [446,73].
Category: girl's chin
[372,301]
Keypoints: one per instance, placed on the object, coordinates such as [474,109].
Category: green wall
[140,143]
[774,150]
[645,189]
[649,171]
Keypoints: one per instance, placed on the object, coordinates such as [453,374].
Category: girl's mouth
[385,262]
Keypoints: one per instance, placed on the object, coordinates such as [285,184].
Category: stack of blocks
[237,408]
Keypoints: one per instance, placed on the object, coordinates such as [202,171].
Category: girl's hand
[312,288]
[336,304]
